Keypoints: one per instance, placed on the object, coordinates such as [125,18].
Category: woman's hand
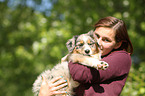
[50,88]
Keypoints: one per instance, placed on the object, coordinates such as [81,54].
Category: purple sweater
[109,82]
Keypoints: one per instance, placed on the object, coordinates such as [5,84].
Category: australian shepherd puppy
[82,49]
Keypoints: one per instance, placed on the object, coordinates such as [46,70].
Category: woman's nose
[99,41]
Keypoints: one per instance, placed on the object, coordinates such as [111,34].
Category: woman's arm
[119,65]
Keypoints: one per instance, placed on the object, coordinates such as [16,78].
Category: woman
[116,48]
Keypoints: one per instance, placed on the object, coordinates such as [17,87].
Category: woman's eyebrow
[97,34]
[103,36]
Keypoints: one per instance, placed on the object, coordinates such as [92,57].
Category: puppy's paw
[103,65]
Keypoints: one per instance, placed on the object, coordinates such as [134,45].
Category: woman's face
[106,39]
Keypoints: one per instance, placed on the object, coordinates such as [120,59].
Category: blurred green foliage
[33,34]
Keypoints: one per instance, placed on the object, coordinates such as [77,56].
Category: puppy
[85,50]
[82,49]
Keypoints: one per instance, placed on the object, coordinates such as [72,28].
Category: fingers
[56,79]
[44,82]
[44,87]
[59,83]
[59,92]
[53,86]
[59,87]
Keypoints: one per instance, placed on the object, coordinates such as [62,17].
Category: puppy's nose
[87,51]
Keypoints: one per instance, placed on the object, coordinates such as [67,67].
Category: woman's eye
[106,40]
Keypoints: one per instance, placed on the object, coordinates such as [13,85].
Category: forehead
[84,38]
[105,32]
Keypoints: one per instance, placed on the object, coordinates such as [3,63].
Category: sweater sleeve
[119,65]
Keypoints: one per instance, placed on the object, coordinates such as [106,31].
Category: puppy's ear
[71,43]
[90,33]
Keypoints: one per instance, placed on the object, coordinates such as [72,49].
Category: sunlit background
[33,34]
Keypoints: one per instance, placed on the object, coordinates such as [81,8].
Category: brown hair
[120,29]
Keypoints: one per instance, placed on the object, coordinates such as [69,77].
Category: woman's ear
[118,45]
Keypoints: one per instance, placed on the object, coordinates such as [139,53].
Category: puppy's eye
[80,44]
[91,43]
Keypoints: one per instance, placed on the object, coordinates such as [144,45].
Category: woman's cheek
[107,48]
[108,45]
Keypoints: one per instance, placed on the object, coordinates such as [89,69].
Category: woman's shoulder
[119,53]
[118,56]
[119,61]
